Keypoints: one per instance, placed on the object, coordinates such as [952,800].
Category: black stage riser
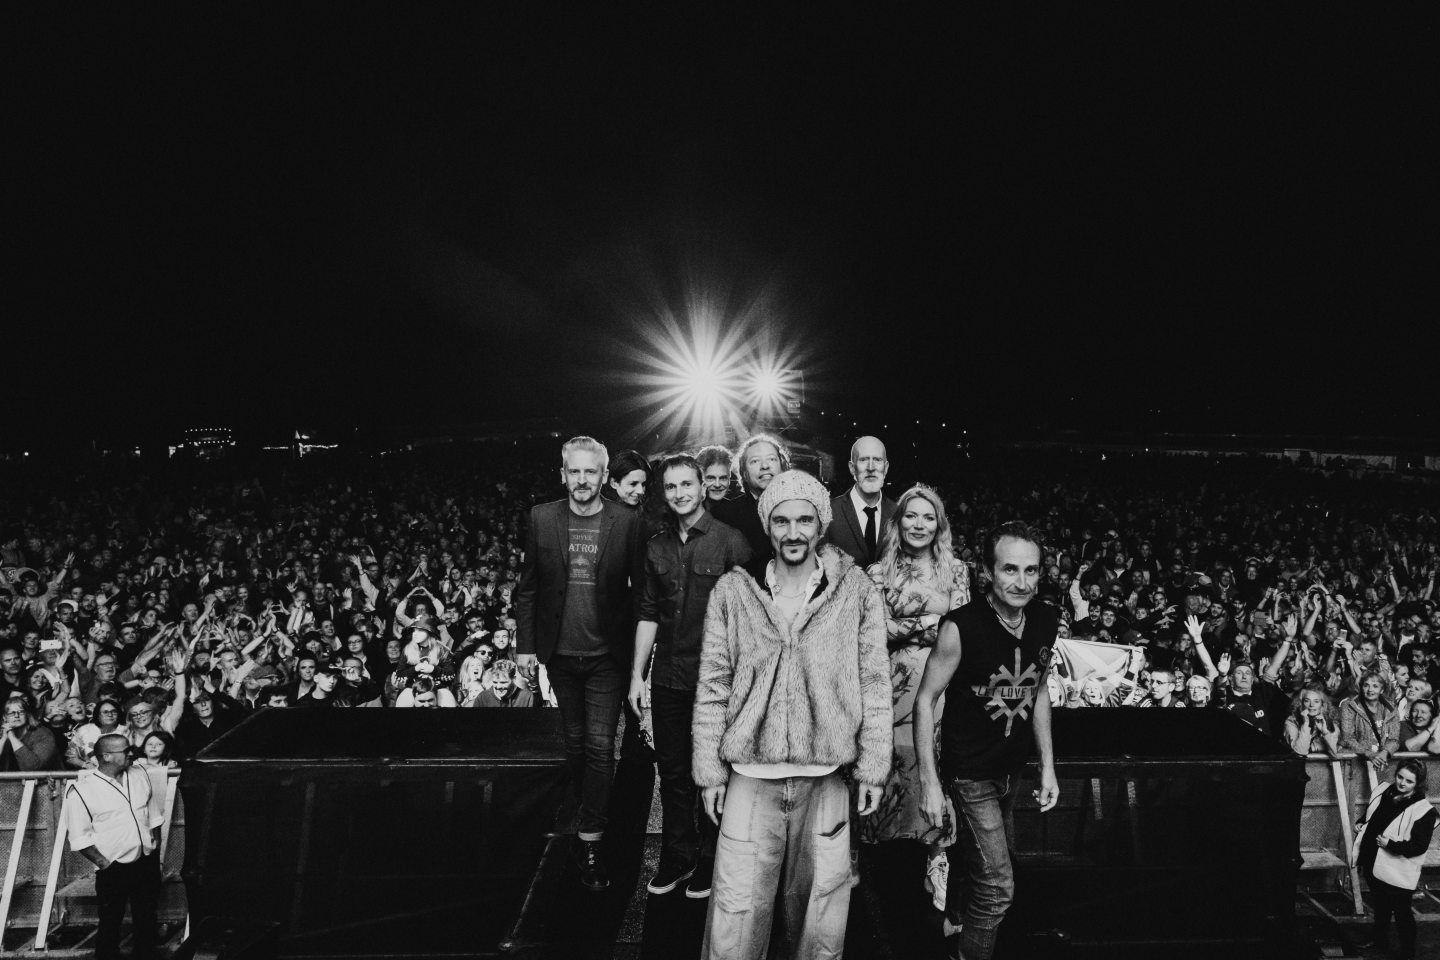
[1195,848]
[428,851]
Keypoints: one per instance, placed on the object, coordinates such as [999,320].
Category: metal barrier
[1338,791]
[41,871]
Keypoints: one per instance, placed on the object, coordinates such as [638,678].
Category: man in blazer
[575,612]
[862,511]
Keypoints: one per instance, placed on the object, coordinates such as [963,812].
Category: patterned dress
[914,604]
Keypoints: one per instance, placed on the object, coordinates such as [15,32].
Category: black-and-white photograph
[613,483]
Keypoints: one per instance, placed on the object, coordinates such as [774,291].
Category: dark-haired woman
[1390,845]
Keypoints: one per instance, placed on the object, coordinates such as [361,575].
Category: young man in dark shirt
[682,565]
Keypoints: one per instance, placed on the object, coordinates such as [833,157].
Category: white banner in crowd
[1094,674]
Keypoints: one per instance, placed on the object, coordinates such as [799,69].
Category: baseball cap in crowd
[264,672]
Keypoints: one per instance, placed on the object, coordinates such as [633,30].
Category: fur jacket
[813,692]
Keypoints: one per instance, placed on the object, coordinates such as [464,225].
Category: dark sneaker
[699,886]
[667,878]
[592,866]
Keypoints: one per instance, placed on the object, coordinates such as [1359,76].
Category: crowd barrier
[1339,789]
[46,884]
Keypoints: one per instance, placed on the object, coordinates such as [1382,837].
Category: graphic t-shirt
[580,634]
[985,732]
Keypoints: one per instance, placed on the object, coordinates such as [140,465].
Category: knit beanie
[795,485]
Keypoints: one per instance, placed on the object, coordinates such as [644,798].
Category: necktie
[870,531]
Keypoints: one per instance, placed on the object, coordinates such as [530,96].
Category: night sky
[344,216]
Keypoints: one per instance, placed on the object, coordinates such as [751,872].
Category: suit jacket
[619,569]
[847,529]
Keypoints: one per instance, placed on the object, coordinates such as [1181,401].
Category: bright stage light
[768,386]
[703,375]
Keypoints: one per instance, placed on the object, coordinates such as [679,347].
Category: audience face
[140,716]
[1198,690]
[107,716]
[501,684]
[353,671]
[1372,688]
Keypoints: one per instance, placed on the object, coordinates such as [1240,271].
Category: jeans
[137,883]
[786,844]
[982,880]
[681,842]
[588,691]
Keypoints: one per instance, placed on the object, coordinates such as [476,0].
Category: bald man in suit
[862,511]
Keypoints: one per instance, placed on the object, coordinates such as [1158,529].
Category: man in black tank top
[991,660]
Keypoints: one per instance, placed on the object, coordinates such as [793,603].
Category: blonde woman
[1312,726]
[921,581]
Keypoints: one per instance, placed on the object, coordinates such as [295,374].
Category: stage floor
[890,915]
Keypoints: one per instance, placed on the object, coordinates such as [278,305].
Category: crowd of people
[165,609]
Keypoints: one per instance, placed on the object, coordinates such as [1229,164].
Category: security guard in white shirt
[113,820]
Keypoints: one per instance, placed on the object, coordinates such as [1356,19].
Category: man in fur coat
[794,688]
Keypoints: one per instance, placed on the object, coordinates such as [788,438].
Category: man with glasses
[1163,690]
[113,820]
[366,691]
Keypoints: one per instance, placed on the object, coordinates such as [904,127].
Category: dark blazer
[847,529]
[620,564]
[742,513]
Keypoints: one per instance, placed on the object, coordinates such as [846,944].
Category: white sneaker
[937,879]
